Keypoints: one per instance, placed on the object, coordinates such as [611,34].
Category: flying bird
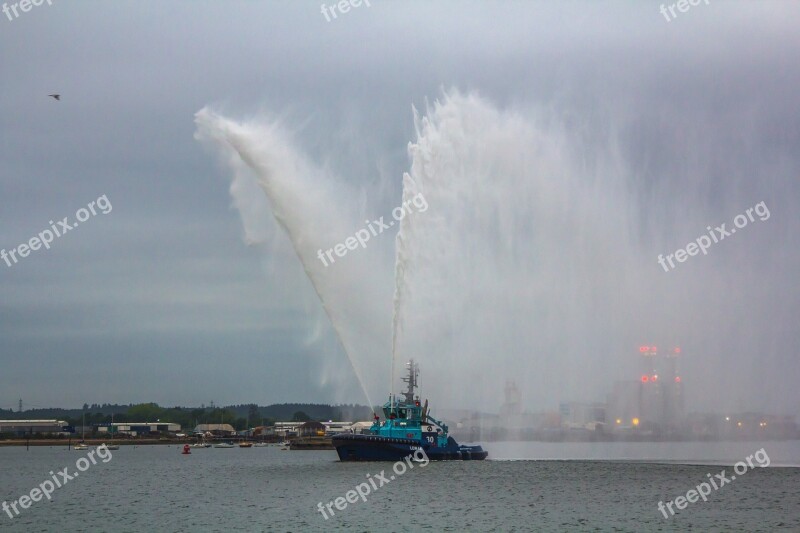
[56,96]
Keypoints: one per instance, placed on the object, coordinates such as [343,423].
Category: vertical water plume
[488,280]
[402,245]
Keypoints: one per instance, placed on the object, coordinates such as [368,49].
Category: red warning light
[644,349]
[677,349]
[645,379]
[654,348]
[677,379]
[655,377]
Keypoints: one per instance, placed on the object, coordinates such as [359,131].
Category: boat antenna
[391,387]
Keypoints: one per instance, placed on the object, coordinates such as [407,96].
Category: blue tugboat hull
[352,447]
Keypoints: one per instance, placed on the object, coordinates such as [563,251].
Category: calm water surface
[155,488]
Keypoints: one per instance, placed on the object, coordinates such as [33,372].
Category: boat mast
[391,388]
[413,372]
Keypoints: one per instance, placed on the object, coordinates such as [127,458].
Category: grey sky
[162,300]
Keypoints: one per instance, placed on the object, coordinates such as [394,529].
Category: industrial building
[582,416]
[138,428]
[654,402]
[294,429]
[25,427]
[511,424]
[217,430]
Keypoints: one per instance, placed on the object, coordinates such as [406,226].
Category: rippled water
[155,488]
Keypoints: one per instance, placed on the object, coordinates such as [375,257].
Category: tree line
[240,416]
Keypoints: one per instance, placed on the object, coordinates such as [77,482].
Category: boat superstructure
[407,427]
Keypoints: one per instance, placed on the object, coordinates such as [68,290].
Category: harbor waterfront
[268,489]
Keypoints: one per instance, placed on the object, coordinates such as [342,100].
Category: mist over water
[536,259]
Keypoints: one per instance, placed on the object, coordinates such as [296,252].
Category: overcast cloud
[168,298]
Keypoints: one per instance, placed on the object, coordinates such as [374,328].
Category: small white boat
[224,445]
[111,446]
[82,445]
[260,445]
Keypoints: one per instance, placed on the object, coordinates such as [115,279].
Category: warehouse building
[139,428]
[23,427]
[216,430]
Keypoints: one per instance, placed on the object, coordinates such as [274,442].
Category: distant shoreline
[91,442]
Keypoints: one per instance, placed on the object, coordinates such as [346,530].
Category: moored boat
[81,446]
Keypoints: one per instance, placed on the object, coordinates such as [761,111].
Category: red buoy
[186,450]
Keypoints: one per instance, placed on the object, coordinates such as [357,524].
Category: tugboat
[407,427]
